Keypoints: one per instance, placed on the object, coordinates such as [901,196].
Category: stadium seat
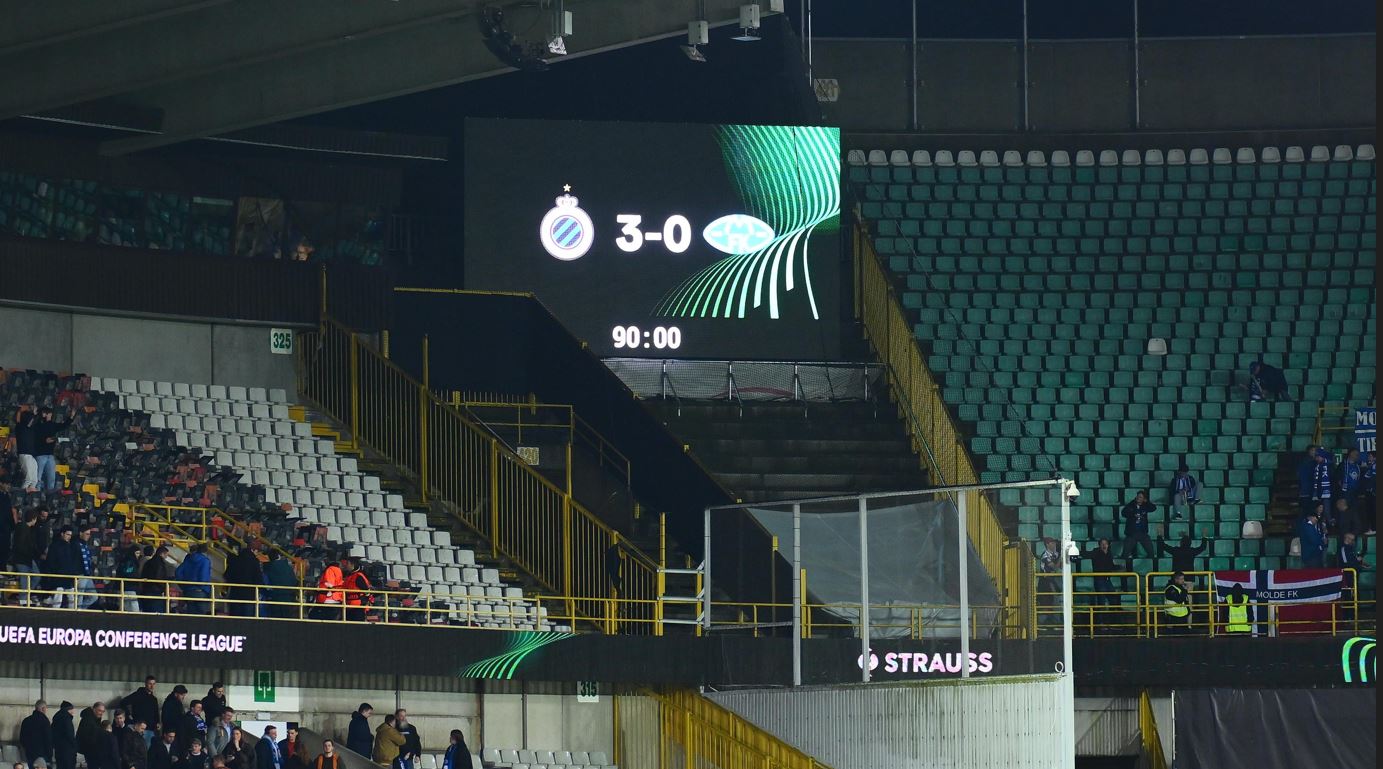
[1320,154]
[898,158]
[1037,159]
[1365,152]
[921,158]
[1344,153]
[878,158]
[943,158]
[1042,310]
[989,158]
[966,158]
[855,158]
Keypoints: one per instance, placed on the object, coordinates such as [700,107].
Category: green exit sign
[264,686]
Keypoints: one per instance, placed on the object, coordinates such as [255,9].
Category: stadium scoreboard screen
[663,240]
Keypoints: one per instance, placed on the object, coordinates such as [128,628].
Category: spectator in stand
[142,705]
[62,560]
[1350,475]
[164,753]
[243,569]
[1345,519]
[359,737]
[64,737]
[237,753]
[267,753]
[133,751]
[7,521]
[1306,479]
[1184,555]
[25,550]
[412,742]
[388,742]
[171,714]
[1350,557]
[1368,487]
[292,750]
[23,441]
[1135,515]
[86,556]
[1267,382]
[328,758]
[197,757]
[1312,542]
[153,586]
[1048,586]
[330,597]
[1322,487]
[36,735]
[1185,492]
[1176,601]
[458,756]
[357,584]
[279,574]
[215,702]
[89,732]
[1102,561]
[193,728]
[220,732]
[404,760]
[108,744]
[195,575]
[45,440]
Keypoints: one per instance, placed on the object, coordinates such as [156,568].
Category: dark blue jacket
[1350,474]
[458,757]
[1193,490]
[63,558]
[1312,542]
[359,737]
[266,750]
[1306,477]
[1136,518]
[36,737]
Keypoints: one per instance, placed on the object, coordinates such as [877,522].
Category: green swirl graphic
[790,178]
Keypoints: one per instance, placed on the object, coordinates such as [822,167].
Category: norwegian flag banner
[1283,585]
[1292,601]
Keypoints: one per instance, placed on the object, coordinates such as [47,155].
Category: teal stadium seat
[1036,290]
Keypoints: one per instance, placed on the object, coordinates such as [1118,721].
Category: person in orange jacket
[357,584]
[330,597]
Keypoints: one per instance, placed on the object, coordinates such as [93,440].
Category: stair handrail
[1147,729]
[508,501]
[703,726]
[908,375]
[162,515]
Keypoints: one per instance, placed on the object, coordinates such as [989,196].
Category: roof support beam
[408,60]
[32,24]
[221,36]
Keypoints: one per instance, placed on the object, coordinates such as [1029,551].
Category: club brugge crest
[566,231]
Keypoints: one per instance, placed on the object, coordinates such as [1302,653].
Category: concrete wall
[499,714]
[1080,86]
[142,348]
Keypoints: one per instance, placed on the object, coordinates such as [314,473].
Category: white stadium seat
[898,158]
[921,158]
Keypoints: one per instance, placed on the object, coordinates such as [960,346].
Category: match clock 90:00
[656,338]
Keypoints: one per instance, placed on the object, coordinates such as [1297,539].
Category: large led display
[663,240]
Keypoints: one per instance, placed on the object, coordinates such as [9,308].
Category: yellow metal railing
[490,489]
[1323,413]
[936,438]
[1147,728]
[1102,609]
[533,417]
[184,526]
[696,732]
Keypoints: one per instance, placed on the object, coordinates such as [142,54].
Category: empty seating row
[1129,157]
[545,759]
[186,390]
